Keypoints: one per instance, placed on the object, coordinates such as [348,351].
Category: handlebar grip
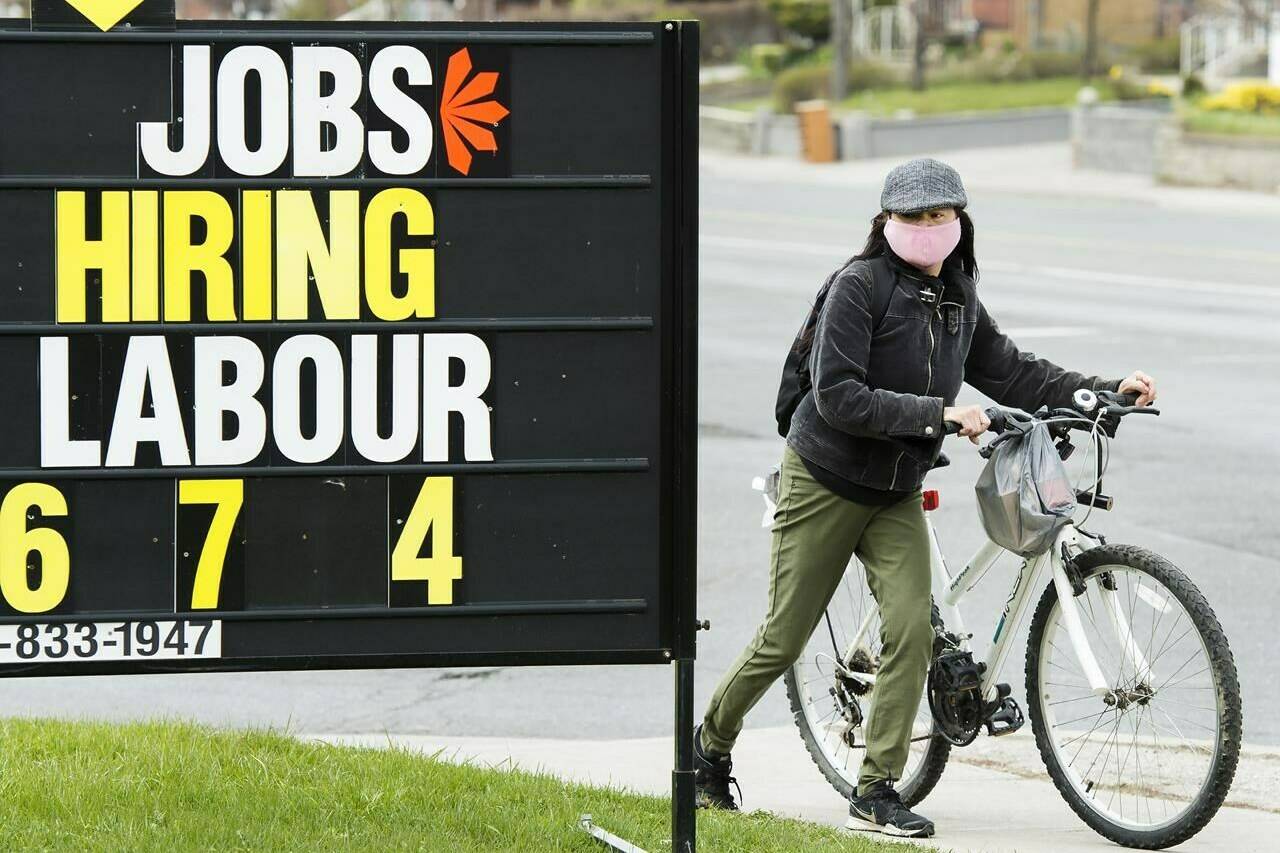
[1127,399]
[994,414]
[997,418]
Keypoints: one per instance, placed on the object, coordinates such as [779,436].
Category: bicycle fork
[1075,629]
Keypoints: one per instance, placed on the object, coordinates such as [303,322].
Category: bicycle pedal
[1006,719]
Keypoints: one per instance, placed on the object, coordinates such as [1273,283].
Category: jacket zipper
[927,387]
[937,312]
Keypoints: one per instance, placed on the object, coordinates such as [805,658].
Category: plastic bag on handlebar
[1024,493]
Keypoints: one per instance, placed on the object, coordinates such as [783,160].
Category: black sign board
[326,347]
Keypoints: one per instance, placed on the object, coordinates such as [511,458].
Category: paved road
[1181,284]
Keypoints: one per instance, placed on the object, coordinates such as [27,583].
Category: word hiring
[149,243]
[328,133]
[421,401]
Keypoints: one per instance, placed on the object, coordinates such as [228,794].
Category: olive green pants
[815,532]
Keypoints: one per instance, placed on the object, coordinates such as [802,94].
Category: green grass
[176,787]
[1231,123]
[961,96]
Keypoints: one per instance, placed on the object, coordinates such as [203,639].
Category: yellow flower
[1247,96]
[1116,72]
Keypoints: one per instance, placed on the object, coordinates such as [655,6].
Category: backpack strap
[883,281]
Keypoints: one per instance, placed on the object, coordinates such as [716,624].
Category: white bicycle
[1133,695]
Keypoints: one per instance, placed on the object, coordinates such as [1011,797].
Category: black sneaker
[711,777]
[881,810]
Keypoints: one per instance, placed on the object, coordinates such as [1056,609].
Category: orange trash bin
[817,134]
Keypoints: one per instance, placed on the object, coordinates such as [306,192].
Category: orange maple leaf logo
[461,109]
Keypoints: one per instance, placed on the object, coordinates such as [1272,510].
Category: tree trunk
[1090,66]
[839,49]
[917,50]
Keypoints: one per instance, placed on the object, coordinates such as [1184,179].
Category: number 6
[16,542]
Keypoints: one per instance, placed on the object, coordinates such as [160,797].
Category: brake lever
[986,451]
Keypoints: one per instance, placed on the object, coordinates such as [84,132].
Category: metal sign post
[335,347]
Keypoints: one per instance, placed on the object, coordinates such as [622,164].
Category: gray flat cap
[920,184]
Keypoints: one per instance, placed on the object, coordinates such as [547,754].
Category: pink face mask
[922,245]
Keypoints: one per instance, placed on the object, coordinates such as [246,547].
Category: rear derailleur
[847,689]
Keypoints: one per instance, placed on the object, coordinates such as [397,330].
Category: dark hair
[961,257]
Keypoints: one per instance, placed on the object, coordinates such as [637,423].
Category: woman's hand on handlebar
[1138,383]
[972,420]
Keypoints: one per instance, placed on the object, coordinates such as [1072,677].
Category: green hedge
[806,82]
[998,68]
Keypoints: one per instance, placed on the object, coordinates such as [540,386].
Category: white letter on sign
[213,398]
[401,109]
[286,401]
[439,398]
[269,67]
[146,363]
[57,450]
[364,398]
[154,135]
[312,111]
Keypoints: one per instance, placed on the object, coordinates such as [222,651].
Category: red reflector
[931,499]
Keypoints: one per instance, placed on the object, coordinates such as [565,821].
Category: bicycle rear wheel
[1149,764]
[830,708]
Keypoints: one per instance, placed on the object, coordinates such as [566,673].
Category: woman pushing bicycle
[871,379]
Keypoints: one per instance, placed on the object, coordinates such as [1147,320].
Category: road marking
[766,246]
[1049,331]
[1091,243]
[1236,358]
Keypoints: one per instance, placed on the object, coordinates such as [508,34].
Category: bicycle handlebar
[1111,407]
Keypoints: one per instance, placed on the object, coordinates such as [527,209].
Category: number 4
[228,497]
[433,510]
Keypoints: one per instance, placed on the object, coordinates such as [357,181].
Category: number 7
[228,497]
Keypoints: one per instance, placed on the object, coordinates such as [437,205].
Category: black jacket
[874,413]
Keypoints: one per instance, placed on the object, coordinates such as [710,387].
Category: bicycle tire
[1223,765]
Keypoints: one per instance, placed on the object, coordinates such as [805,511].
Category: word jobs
[328,133]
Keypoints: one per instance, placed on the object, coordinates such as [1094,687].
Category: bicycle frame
[949,591]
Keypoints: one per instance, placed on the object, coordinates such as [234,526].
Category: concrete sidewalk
[976,807]
[1042,169]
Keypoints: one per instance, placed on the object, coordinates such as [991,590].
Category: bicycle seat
[941,462]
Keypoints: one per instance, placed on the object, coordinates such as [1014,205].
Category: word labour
[232,405]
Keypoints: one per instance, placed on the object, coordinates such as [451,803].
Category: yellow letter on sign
[433,510]
[16,542]
[77,254]
[227,496]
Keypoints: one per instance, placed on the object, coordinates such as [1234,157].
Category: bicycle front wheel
[1148,764]
[831,708]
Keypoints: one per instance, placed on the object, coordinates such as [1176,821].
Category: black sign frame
[676,181]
